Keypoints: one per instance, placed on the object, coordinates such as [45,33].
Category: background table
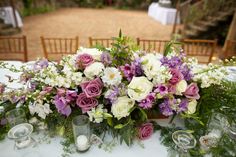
[6,13]
[163,15]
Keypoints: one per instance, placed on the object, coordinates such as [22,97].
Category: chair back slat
[55,48]
[204,49]
[230,48]
[151,45]
[13,48]
[106,42]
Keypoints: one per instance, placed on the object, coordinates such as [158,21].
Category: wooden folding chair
[230,49]
[201,49]
[106,42]
[13,48]
[55,48]
[152,45]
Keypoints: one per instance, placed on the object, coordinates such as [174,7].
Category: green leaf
[109,121]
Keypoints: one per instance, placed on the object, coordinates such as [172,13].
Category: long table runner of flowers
[120,87]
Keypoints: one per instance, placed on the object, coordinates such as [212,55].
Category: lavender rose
[145,131]
[92,88]
[176,76]
[84,60]
[192,91]
[86,103]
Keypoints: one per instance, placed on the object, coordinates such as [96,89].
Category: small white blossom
[41,109]
[112,76]
[97,114]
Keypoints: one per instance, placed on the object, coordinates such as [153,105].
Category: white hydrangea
[209,74]
[98,114]
[95,53]
[112,76]
[154,70]
[41,109]
[95,69]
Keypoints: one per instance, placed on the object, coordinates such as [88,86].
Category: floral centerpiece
[116,88]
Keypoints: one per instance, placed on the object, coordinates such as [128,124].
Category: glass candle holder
[81,131]
[15,117]
[184,141]
[21,134]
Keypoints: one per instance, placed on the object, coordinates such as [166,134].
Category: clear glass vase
[82,133]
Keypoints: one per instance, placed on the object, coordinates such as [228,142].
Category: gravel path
[83,22]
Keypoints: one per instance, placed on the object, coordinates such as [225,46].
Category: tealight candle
[82,143]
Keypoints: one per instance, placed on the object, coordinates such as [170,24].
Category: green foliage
[214,99]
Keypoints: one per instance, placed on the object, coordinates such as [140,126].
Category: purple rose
[84,60]
[192,91]
[145,131]
[176,76]
[86,103]
[92,88]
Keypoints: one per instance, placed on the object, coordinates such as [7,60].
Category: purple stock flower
[137,66]
[173,62]
[162,89]
[186,71]
[112,95]
[148,101]
[106,58]
[132,70]
[182,106]
[41,64]
[62,105]
[165,108]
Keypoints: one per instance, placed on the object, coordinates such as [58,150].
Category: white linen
[152,148]
[164,15]
[6,13]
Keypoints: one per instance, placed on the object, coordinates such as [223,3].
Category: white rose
[95,53]
[121,107]
[94,69]
[181,87]
[192,107]
[139,88]
[151,65]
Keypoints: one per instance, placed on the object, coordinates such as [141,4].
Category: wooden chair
[152,45]
[230,49]
[55,48]
[13,48]
[106,42]
[203,50]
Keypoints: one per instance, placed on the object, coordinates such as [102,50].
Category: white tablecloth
[6,14]
[163,15]
[152,148]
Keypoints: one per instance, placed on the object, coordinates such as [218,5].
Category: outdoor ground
[71,22]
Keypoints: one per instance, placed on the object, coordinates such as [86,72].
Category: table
[152,148]
[6,13]
[164,15]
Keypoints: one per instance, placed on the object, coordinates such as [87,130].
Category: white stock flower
[121,107]
[139,88]
[112,76]
[181,87]
[95,53]
[41,109]
[95,69]
[97,114]
[192,105]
